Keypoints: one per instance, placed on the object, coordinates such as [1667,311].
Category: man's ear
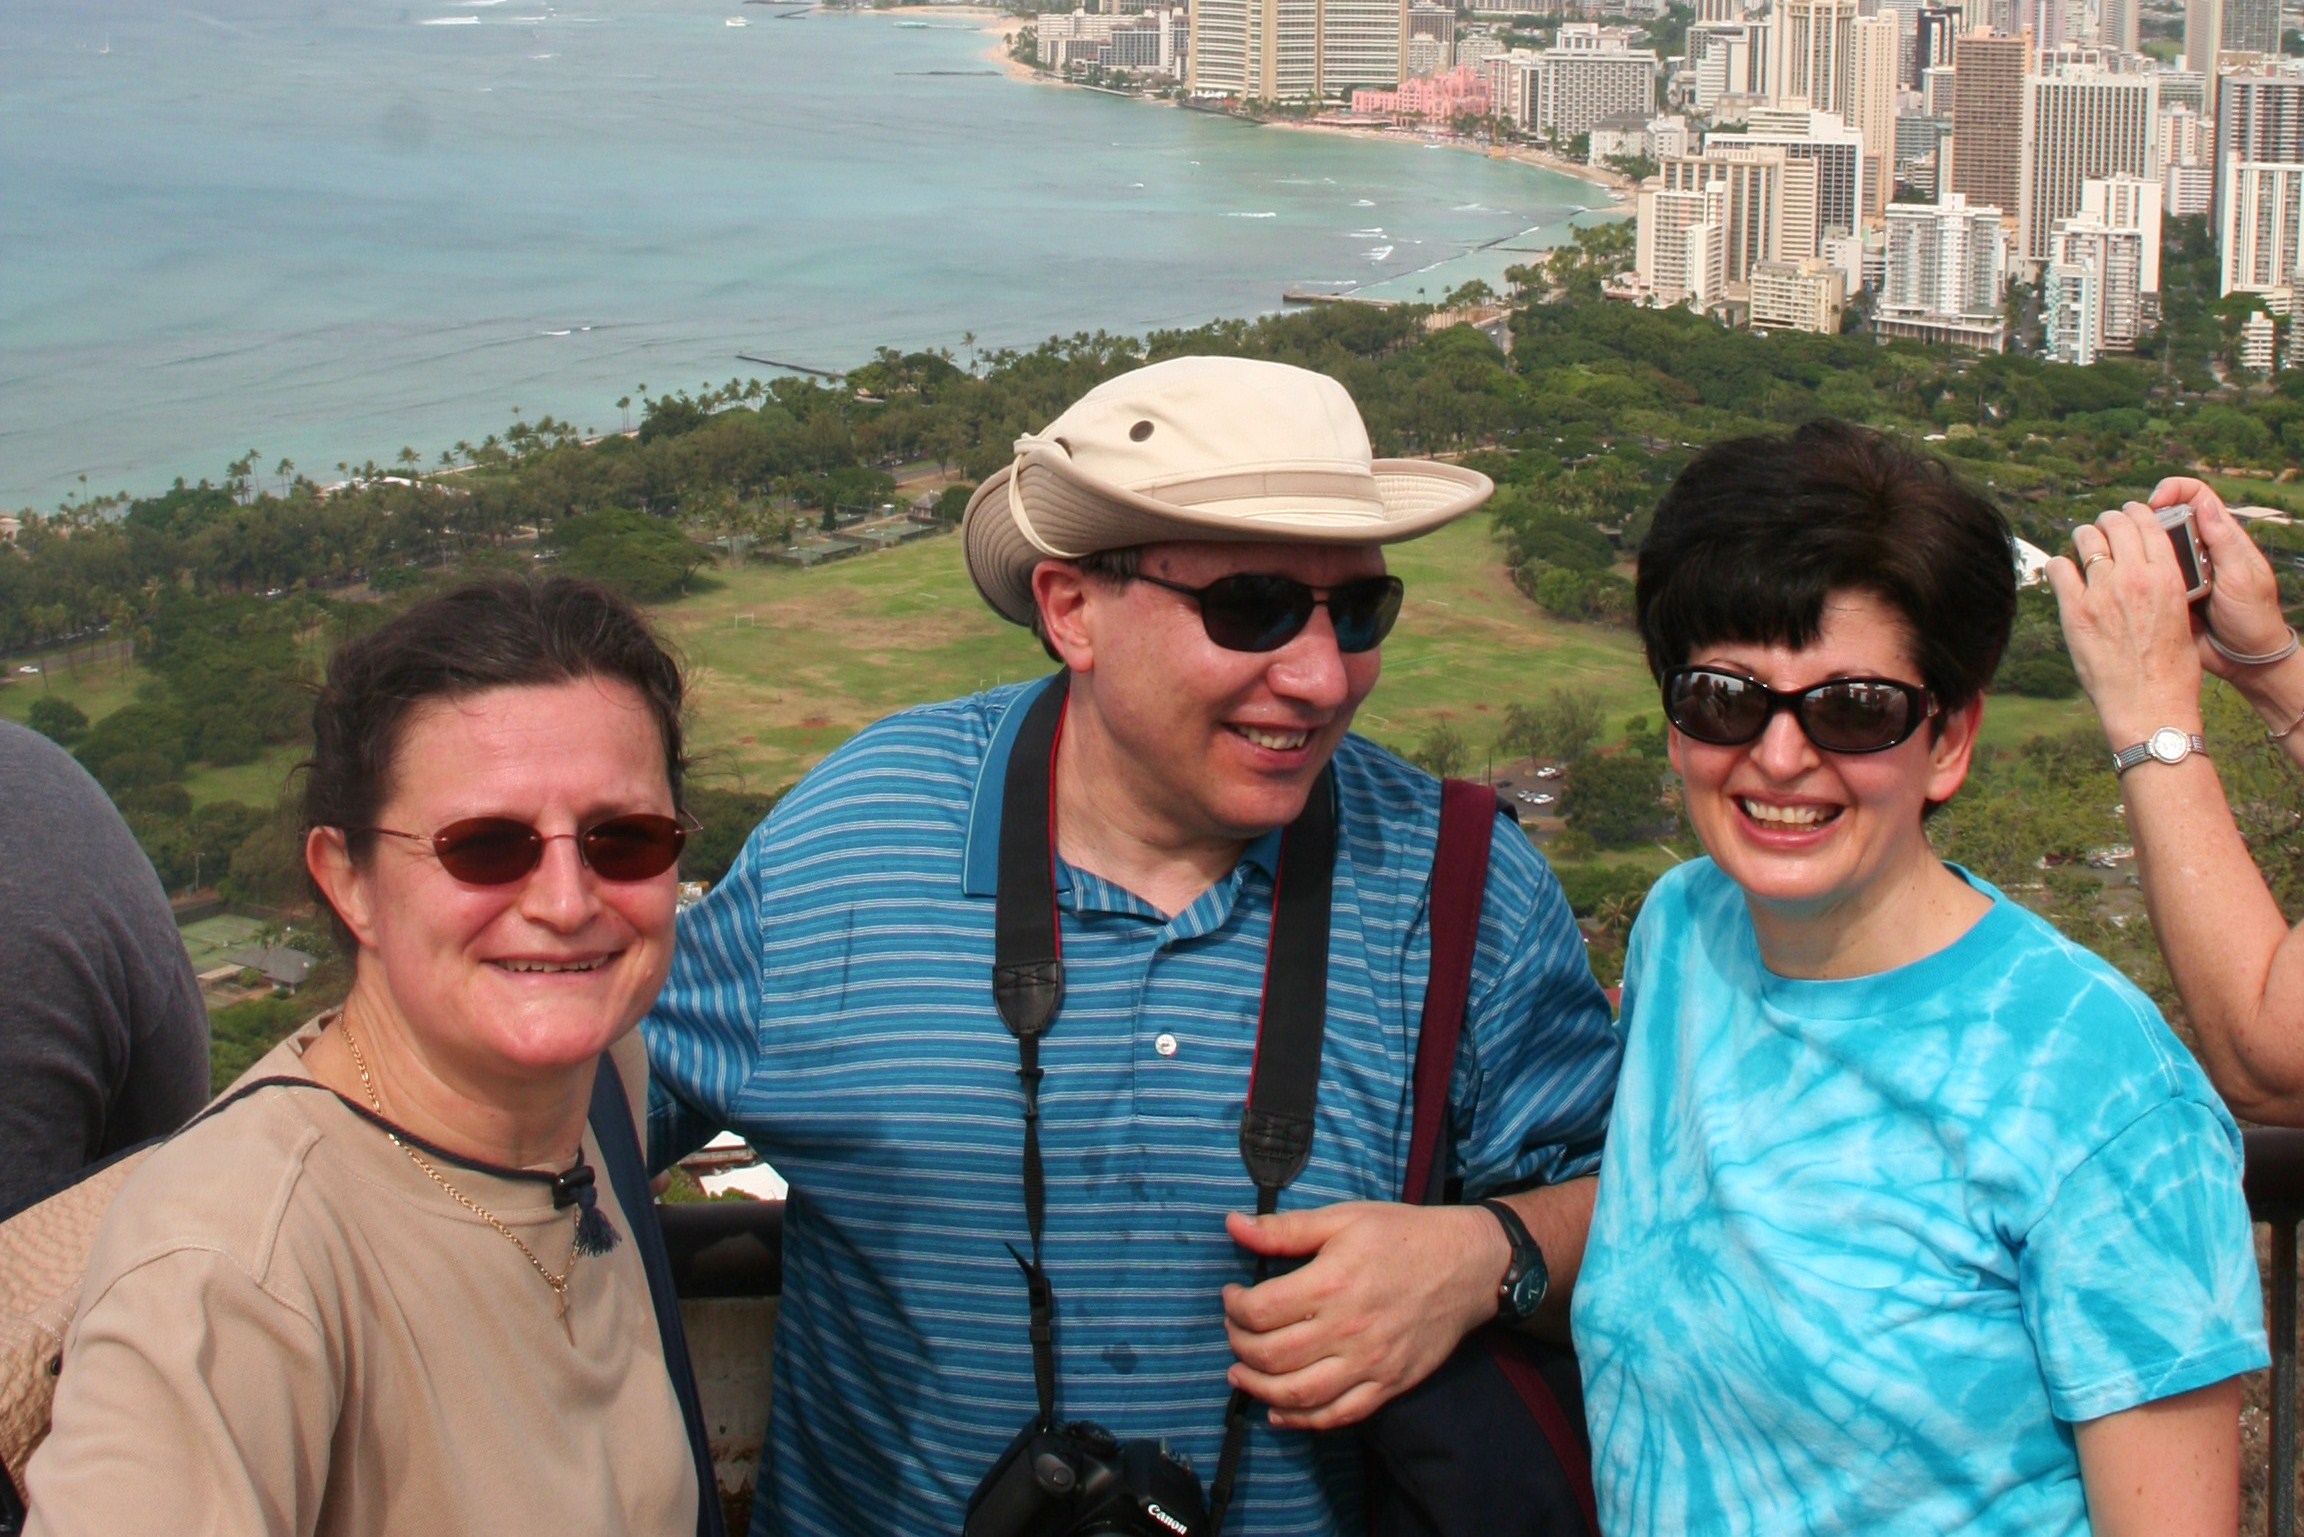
[341,881]
[1060,590]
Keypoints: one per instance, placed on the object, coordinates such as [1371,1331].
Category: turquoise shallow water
[323,229]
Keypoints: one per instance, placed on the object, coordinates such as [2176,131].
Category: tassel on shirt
[595,1234]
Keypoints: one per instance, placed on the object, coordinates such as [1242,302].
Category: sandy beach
[1621,192]
[1002,27]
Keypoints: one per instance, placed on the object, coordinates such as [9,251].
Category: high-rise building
[2076,126]
[1361,42]
[1933,29]
[2250,26]
[1946,275]
[1295,50]
[1431,45]
[2191,189]
[2130,203]
[2257,334]
[2261,226]
[1727,58]
[2187,136]
[1820,139]
[2071,308]
[1937,84]
[1767,208]
[1814,41]
[1920,143]
[1988,75]
[2203,35]
[1871,109]
[2259,118]
[2102,279]
[1576,85]
[1680,250]
[1805,295]
[2182,88]
[2118,24]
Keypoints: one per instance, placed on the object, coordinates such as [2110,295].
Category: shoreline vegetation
[167,639]
[1005,26]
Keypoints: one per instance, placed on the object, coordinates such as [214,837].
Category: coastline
[1002,27]
[1622,194]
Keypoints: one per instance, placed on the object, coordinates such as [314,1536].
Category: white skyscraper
[1818,138]
[2102,280]
[2079,125]
[2262,226]
[1814,42]
[1947,274]
[1680,249]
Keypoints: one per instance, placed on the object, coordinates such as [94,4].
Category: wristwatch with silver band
[2170,744]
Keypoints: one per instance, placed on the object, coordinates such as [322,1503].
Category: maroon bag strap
[1459,881]
[1468,814]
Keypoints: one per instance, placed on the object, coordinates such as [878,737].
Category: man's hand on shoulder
[1388,1293]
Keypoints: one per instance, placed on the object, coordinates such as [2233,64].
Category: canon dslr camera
[1078,1479]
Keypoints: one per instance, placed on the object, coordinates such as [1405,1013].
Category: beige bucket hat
[1200,448]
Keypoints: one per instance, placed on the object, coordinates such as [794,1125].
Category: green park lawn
[787,664]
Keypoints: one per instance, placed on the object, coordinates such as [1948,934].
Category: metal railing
[2275,1184]
[724,1249]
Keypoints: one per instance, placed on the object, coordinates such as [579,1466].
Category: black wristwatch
[1525,1282]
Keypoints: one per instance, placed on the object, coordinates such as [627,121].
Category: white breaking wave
[451,21]
[1267,214]
[1361,202]
[1380,253]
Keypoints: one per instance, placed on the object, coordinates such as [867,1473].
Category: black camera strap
[1028,986]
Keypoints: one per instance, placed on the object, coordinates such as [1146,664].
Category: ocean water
[322,229]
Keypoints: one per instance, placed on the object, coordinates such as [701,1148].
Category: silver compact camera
[2190,558]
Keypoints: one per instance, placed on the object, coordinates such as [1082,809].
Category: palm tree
[624,404]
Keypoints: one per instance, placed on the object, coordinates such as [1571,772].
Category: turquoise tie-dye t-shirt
[1865,1250]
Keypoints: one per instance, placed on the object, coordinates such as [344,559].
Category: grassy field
[788,664]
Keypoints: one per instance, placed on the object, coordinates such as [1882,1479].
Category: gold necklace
[558,1283]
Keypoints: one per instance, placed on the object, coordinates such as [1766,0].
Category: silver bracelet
[2258,659]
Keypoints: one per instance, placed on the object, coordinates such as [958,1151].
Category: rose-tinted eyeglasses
[496,851]
[1842,715]
[1251,611]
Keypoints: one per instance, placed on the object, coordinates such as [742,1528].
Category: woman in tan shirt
[407,1306]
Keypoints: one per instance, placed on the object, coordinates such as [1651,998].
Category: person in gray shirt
[103,1038]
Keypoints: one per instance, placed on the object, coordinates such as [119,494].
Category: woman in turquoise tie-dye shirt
[1915,1217]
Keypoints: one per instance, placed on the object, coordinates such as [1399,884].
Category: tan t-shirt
[288,1328]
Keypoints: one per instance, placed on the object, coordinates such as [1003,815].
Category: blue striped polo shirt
[831,1001]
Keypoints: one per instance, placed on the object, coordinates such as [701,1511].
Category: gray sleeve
[103,1037]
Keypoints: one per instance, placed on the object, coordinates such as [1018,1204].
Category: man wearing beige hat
[904,984]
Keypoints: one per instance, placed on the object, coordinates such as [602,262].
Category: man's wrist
[1490,1260]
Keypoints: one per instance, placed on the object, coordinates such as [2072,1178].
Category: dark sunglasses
[496,851]
[1254,612]
[1843,715]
